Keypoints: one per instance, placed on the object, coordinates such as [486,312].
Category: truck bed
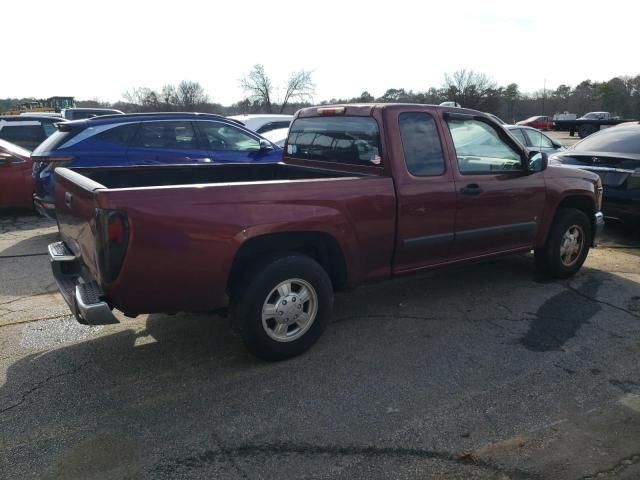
[157,176]
[196,217]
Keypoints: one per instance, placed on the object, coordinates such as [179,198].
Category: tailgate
[75,199]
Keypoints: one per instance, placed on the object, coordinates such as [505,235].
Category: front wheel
[284,308]
[567,245]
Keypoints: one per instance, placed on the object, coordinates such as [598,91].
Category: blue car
[144,139]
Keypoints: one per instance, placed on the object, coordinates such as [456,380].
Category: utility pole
[544,94]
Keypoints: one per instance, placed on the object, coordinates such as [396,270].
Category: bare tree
[260,90]
[300,87]
[258,85]
[190,94]
[143,98]
[468,88]
[169,96]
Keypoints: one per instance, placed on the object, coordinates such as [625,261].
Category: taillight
[326,111]
[112,239]
[115,229]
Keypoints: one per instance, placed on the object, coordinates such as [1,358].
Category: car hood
[561,171]
[586,159]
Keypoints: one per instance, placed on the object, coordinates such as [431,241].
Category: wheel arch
[321,246]
[582,202]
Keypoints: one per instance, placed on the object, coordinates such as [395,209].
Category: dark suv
[144,139]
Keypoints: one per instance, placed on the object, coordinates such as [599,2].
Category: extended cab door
[500,203]
[425,188]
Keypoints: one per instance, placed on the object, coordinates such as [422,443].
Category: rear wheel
[284,308]
[567,245]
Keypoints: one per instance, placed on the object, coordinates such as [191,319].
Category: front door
[426,192]
[500,203]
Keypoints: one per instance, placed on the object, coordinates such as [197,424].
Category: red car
[540,122]
[16,183]
[364,192]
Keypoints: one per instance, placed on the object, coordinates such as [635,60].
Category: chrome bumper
[598,223]
[84,298]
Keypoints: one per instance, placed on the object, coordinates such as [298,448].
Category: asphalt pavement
[478,372]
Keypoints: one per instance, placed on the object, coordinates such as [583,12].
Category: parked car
[16,184]
[275,240]
[277,136]
[541,122]
[144,139]
[534,139]
[614,154]
[80,113]
[27,131]
[263,123]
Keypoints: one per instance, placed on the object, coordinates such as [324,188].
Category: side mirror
[538,161]
[265,145]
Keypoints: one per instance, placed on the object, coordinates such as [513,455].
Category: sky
[98,50]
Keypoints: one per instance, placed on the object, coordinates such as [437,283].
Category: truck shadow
[130,383]
[35,245]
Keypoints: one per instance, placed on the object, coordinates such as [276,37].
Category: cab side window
[166,135]
[421,144]
[480,150]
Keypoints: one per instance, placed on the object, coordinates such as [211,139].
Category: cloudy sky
[91,49]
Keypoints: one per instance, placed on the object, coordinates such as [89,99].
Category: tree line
[619,95]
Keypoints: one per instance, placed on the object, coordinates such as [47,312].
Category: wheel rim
[289,310]
[571,245]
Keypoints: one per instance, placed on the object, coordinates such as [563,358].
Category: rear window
[352,140]
[623,139]
[26,136]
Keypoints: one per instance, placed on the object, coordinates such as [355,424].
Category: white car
[277,136]
[264,122]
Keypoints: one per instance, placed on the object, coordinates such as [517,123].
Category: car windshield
[621,139]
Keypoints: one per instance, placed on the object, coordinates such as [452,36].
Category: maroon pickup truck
[364,192]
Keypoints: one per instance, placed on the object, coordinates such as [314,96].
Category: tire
[564,252]
[586,130]
[282,332]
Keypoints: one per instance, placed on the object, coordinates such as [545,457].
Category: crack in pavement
[31,320]
[613,472]
[367,451]
[24,255]
[595,300]
[400,316]
[26,297]
[40,384]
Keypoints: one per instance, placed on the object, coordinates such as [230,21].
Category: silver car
[534,139]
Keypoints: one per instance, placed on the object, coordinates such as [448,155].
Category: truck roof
[365,109]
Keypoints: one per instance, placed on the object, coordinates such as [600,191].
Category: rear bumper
[45,206]
[598,223]
[83,295]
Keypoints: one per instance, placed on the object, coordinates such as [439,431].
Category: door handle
[471,189]
[68,198]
